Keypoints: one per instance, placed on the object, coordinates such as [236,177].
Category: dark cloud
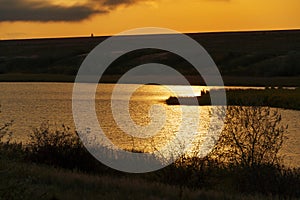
[114,3]
[44,11]
[21,10]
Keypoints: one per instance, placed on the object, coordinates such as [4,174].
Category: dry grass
[29,181]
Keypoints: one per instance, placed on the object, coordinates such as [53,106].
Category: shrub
[61,147]
[252,137]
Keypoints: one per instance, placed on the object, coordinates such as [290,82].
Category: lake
[31,104]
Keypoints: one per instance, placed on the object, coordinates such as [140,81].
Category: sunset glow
[58,18]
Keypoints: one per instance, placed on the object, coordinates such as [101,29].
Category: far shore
[293,81]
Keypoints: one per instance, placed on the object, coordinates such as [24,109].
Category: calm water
[31,104]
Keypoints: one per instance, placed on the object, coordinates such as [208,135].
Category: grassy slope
[247,58]
[21,180]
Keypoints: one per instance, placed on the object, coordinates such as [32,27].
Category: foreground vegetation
[245,164]
[22,180]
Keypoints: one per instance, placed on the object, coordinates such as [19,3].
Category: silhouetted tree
[252,136]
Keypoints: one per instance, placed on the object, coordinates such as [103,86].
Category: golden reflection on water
[139,107]
[31,104]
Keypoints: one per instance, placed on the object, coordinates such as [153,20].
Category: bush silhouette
[252,136]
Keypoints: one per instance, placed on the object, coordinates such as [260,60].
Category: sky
[72,18]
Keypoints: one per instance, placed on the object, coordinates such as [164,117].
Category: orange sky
[113,16]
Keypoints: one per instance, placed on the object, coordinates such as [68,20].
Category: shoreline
[293,81]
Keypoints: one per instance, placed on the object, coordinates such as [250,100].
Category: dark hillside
[255,54]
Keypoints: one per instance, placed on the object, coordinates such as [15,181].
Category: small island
[273,97]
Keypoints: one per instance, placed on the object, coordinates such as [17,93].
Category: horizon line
[187,33]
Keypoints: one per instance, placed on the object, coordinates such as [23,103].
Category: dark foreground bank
[55,165]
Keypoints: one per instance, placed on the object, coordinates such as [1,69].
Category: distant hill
[255,54]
